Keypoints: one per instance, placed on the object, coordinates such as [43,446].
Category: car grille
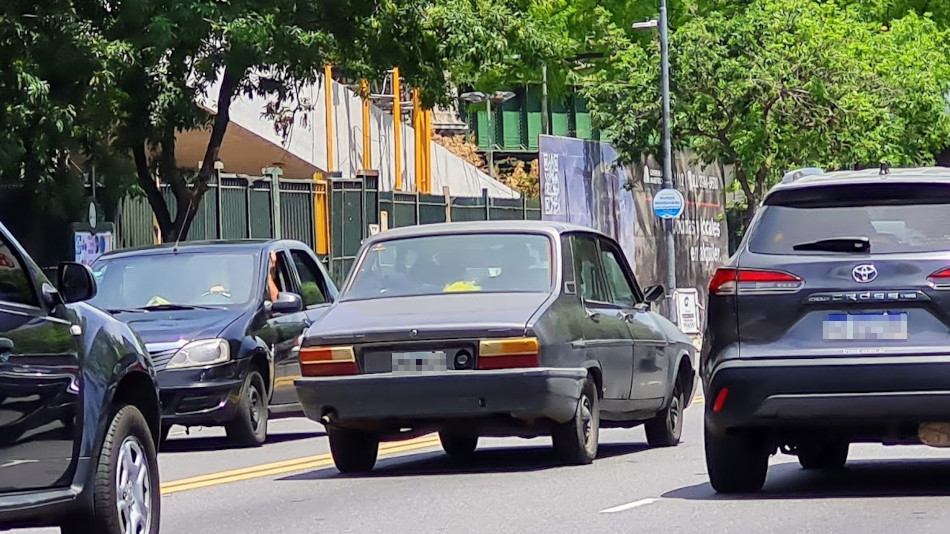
[160,359]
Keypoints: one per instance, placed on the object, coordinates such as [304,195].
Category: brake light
[940,279]
[509,353]
[729,281]
[328,361]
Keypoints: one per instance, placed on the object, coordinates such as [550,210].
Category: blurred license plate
[866,326]
[419,362]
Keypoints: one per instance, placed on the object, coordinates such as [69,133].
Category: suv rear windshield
[471,262]
[905,218]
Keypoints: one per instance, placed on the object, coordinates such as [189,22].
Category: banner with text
[582,184]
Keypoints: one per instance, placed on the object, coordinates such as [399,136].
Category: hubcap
[675,415]
[254,397]
[133,488]
[587,420]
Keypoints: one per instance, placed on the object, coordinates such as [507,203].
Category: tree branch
[152,193]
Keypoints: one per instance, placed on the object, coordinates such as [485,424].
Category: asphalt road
[290,486]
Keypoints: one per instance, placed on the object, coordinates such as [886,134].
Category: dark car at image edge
[79,408]
[831,324]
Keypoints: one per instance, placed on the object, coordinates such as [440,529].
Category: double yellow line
[286,466]
[298,464]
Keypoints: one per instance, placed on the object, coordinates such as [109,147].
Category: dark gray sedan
[507,328]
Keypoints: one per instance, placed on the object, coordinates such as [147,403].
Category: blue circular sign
[668,203]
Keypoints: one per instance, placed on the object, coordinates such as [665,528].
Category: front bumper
[840,393]
[524,394]
[201,396]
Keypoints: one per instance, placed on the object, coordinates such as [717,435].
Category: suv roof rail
[791,176]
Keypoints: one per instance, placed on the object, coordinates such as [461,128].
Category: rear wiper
[174,307]
[114,311]
[838,244]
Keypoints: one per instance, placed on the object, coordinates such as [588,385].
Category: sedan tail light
[730,281]
[940,279]
[508,353]
[328,361]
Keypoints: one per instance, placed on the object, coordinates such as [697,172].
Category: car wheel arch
[597,374]
[681,372]
[137,388]
[260,362]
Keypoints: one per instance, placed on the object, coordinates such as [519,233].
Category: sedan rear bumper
[524,394]
[860,393]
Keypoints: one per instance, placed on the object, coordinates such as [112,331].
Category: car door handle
[593,315]
[626,317]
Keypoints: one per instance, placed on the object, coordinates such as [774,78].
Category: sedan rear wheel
[577,440]
[353,451]
[666,428]
[459,446]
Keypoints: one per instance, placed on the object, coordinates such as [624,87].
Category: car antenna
[178,238]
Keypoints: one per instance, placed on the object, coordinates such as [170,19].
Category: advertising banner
[581,183]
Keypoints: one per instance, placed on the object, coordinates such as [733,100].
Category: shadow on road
[218,443]
[493,460]
[858,479]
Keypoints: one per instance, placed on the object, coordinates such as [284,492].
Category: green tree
[778,84]
[181,50]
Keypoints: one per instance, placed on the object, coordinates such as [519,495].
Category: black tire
[459,447]
[249,426]
[353,451]
[127,436]
[736,462]
[577,440]
[830,454]
[666,429]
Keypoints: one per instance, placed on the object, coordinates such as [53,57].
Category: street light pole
[544,99]
[667,155]
[491,140]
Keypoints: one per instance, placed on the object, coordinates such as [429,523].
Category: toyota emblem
[864,273]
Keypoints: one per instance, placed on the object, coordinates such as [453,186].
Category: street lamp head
[502,96]
[645,25]
[473,97]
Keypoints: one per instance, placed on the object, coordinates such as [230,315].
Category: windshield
[488,263]
[180,279]
[891,225]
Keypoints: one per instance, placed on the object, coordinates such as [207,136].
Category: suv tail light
[328,361]
[729,281]
[508,353]
[940,279]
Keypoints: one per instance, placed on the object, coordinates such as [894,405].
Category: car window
[199,278]
[588,271]
[908,218]
[311,280]
[469,262]
[621,292]
[15,284]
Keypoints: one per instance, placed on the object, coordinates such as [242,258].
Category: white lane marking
[629,506]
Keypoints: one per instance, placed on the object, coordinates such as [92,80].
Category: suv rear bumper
[829,392]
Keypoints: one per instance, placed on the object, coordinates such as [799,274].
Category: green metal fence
[236,207]
[357,205]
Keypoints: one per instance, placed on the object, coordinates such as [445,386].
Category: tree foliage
[778,84]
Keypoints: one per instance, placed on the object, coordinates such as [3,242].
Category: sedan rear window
[476,262]
[820,221]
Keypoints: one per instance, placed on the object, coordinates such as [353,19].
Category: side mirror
[654,293]
[287,303]
[76,282]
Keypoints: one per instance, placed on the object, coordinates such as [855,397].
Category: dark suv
[79,410]
[831,324]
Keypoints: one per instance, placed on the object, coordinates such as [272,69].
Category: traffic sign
[668,203]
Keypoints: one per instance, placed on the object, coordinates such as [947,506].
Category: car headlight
[201,353]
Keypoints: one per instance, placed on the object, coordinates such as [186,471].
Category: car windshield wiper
[838,244]
[173,307]
[114,311]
